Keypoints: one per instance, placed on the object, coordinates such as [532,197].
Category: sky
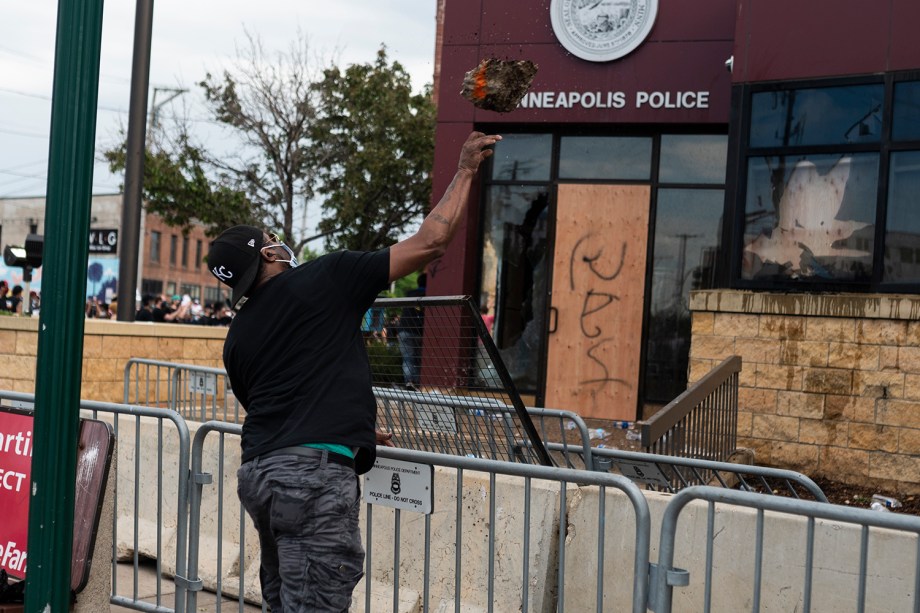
[189,39]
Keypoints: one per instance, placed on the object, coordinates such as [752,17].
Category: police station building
[763,150]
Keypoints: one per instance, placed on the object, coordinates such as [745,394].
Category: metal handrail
[665,427]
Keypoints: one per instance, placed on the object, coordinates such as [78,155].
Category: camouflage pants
[306,513]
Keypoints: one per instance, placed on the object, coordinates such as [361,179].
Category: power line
[21,133]
[17,92]
[50,63]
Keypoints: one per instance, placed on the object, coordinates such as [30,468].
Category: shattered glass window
[810,217]
[514,276]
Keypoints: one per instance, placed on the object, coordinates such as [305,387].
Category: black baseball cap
[234,259]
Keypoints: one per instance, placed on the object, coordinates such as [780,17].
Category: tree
[373,151]
[359,139]
[267,102]
[179,187]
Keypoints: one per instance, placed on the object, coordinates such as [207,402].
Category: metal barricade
[672,474]
[497,531]
[664,576]
[475,426]
[442,347]
[201,393]
[198,393]
[149,512]
[148,382]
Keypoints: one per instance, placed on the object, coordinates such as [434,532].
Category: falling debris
[498,85]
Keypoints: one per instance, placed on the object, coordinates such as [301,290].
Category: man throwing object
[296,361]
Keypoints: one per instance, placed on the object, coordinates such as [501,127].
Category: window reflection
[819,116]
[687,230]
[522,157]
[810,217]
[902,238]
[906,123]
[514,269]
[599,157]
[693,158]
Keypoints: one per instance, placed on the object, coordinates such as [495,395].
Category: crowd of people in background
[12,300]
[151,308]
[165,309]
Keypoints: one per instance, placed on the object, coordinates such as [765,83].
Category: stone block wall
[107,345]
[830,383]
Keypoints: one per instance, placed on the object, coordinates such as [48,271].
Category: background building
[172,262]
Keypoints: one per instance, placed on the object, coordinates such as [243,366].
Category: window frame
[740,153]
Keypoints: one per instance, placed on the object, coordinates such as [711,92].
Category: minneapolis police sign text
[103,241]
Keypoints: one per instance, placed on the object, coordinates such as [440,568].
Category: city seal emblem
[602,30]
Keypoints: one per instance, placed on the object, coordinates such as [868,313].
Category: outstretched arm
[439,227]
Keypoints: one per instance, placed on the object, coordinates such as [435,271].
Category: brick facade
[107,345]
[830,384]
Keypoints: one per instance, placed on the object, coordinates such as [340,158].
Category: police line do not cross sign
[401,485]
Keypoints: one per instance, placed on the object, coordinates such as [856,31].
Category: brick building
[171,262]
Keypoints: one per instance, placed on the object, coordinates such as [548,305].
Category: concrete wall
[830,384]
[891,562]
[107,345]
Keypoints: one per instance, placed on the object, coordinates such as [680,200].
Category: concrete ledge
[864,306]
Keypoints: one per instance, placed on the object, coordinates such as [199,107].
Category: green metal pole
[60,336]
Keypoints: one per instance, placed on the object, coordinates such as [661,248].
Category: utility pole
[153,122]
[134,162]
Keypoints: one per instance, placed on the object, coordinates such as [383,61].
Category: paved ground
[147,591]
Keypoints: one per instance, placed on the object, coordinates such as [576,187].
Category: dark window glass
[184,252]
[212,295]
[687,229]
[197,254]
[906,122]
[522,157]
[155,239]
[193,291]
[693,158]
[819,116]
[599,157]
[902,237]
[151,287]
[514,270]
[173,247]
[810,217]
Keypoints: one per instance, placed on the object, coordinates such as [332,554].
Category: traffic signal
[29,256]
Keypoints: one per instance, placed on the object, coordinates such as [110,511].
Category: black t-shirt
[296,360]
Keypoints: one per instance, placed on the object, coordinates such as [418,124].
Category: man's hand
[384,438]
[474,150]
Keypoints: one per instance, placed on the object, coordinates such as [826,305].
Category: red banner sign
[15,471]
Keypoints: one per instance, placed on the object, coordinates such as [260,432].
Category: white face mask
[292,261]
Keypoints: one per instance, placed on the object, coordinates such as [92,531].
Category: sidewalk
[147,591]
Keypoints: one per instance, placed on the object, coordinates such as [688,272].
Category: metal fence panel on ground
[151,518]
[849,558]
[502,521]
[442,347]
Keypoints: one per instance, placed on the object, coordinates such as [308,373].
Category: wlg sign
[103,241]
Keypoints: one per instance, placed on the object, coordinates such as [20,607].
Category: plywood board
[597,296]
